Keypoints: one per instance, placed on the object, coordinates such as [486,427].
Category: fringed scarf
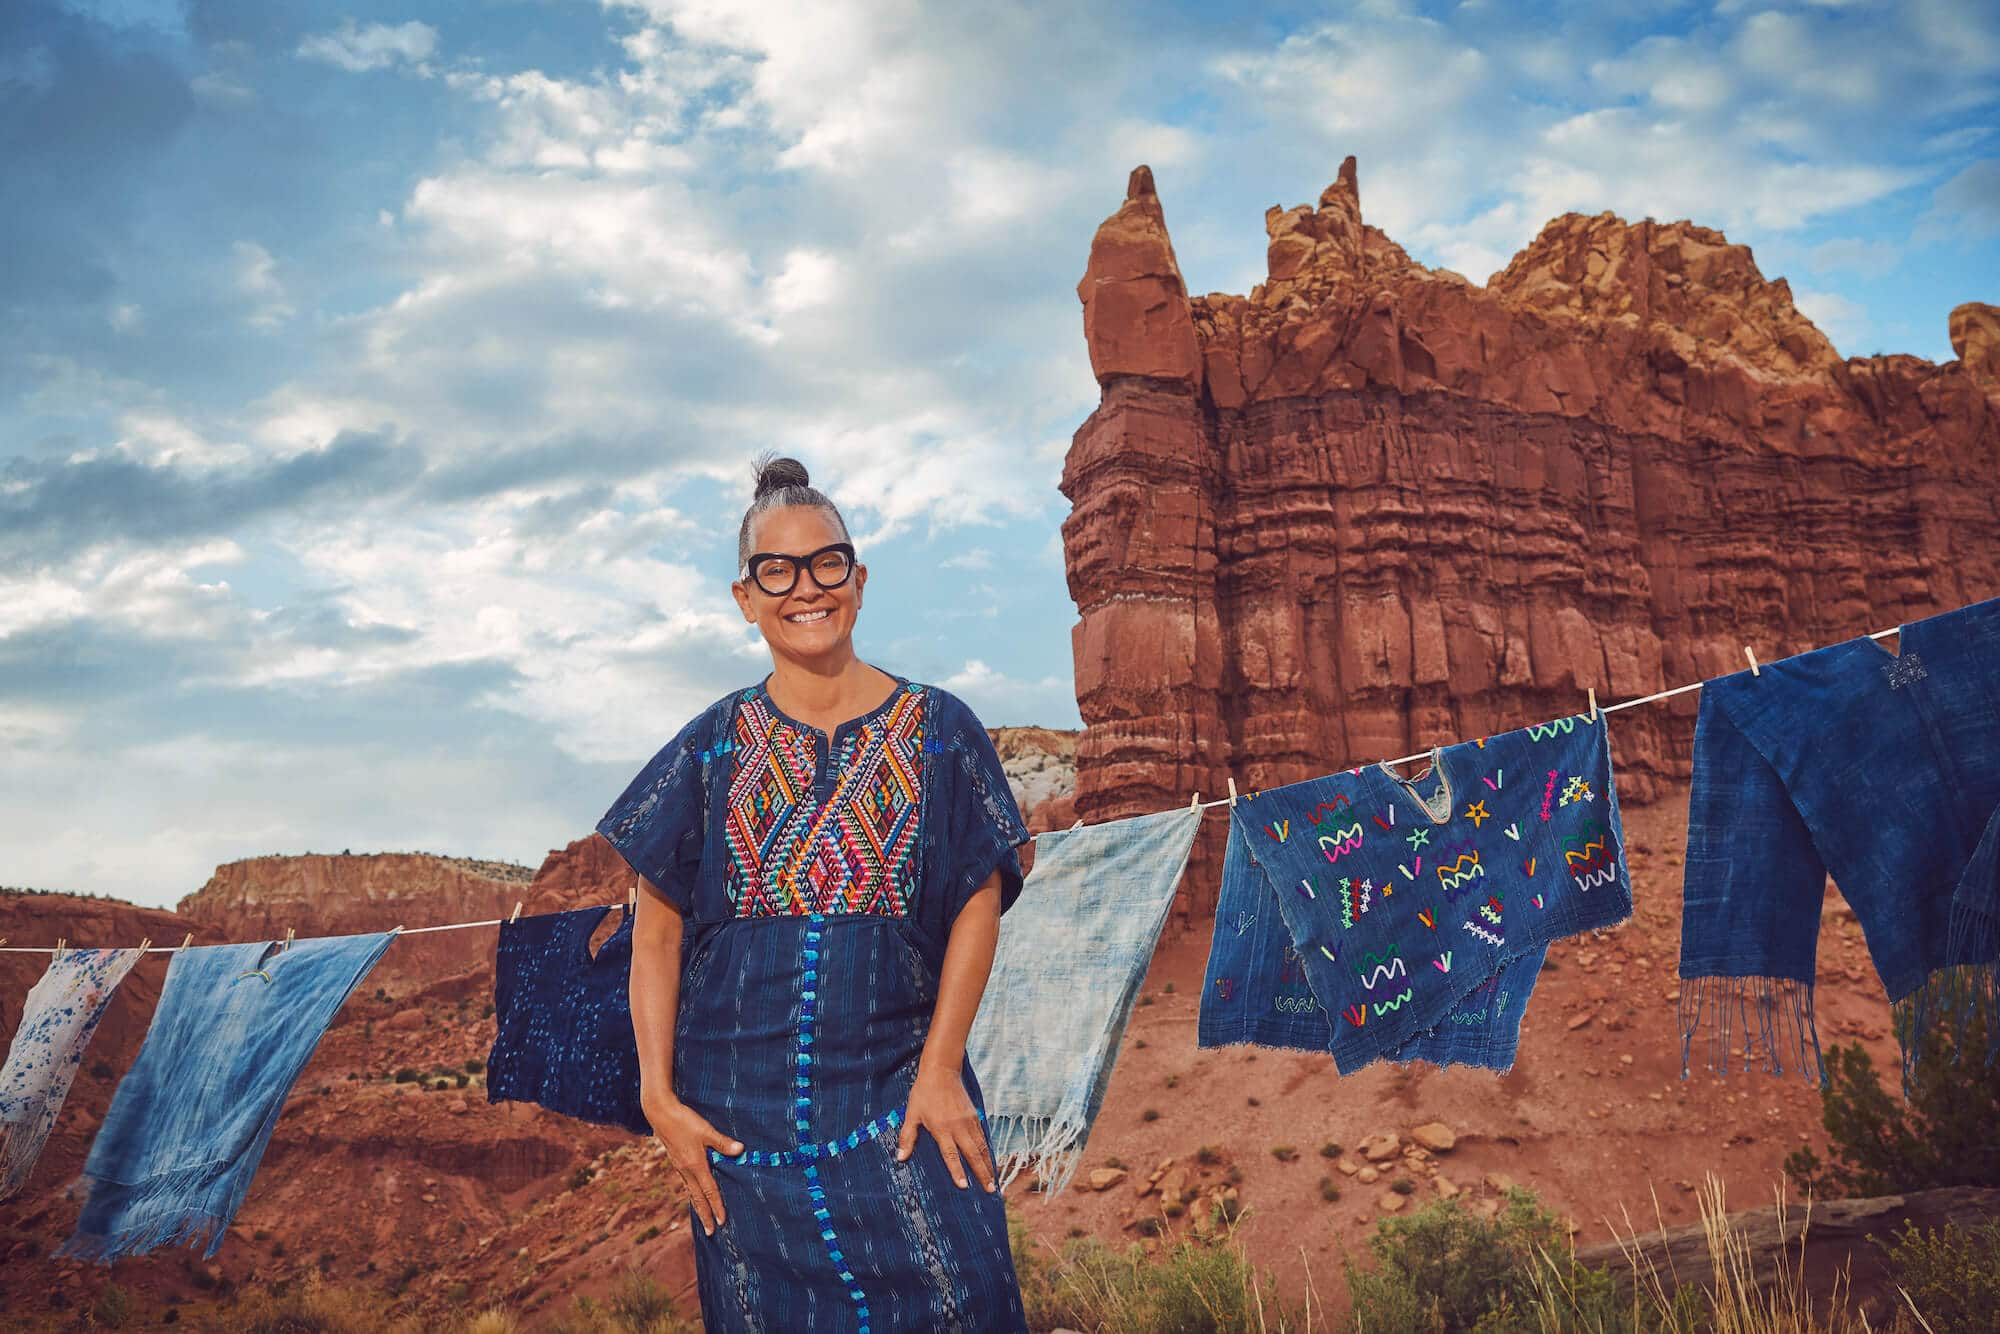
[1073,953]
[57,1023]
[235,1026]
[1880,769]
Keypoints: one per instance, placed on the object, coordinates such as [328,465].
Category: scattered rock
[1368,1176]
[402,1021]
[1578,1021]
[1435,1136]
[1376,1148]
[1104,1178]
[1445,1189]
[1500,1182]
[1348,1167]
[1389,1202]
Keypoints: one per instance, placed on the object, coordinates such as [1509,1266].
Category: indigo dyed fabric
[819,876]
[1375,916]
[57,1023]
[235,1025]
[1880,769]
[563,1019]
[1067,972]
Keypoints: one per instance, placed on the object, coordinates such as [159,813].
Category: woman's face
[807,622]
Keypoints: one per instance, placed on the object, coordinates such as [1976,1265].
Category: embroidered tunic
[819,877]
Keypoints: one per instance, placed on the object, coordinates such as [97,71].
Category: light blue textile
[1070,961]
[234,1027]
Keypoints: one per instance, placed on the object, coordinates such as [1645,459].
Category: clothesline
[1197,803]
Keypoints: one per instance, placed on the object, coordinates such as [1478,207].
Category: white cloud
[375,46]
[256,272]
[127,318]
[1854,253]
[1001,700]
[1844,322]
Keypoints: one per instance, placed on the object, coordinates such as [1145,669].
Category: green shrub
[407,1076]
[113,1308]
[1952,1274]
[1880,1145]
[1443,1270]
[1186,1289]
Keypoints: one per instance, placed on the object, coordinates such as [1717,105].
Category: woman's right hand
[688,1137]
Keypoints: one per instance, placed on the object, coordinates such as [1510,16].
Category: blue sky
[378,381]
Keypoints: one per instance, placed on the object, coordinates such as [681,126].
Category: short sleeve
[657,822]
[982,824]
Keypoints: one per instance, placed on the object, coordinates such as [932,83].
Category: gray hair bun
[774,473]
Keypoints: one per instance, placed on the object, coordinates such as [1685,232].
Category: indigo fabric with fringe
[1379,917]
[234,1027]
[1881,769]
[1065,977]
[57,1023]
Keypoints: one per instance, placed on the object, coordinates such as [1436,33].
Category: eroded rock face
[1393,508]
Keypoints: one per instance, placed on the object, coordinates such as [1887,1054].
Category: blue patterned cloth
[563,1019]
[819,876]
[1066,975]
[234,1027]
[1880,769]
[1412,915]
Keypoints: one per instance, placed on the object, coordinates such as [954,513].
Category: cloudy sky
[378,379]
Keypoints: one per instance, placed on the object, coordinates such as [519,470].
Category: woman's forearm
[655,989]
[968,958]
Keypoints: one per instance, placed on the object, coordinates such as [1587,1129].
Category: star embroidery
[1477,813]
[1419,837]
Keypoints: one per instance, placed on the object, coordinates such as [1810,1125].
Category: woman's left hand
[939,1104]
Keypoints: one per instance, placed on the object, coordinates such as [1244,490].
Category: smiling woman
[826,855]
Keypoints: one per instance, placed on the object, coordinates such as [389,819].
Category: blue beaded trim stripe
[808,1009]
[807,1153]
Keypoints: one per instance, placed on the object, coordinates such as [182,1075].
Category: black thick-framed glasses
[776,573]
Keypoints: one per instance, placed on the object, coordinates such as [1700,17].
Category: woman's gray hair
[781,482]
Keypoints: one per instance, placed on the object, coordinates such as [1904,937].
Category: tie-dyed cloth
[1067,972]
[562,1022]
[57,1023]
[188,1125]
[1409,912]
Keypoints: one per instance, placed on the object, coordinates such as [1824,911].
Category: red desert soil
[381,1184]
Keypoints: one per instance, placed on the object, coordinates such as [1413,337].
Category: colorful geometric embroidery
[791,853]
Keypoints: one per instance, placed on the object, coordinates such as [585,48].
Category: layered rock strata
[1373,506]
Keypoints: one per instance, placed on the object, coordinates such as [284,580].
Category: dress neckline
[762,691]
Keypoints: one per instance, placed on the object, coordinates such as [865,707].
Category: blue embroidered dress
[819,877]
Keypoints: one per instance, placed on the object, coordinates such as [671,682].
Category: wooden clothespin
[1755,670]
[517,911]
[56,953]
[1232,789]
[632,898]
[1194,802]
[187,940]
[145,944]
[1593,703]
[288,937]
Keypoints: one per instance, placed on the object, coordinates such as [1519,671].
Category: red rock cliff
[1373,506]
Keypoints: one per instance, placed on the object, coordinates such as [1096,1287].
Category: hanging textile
[1401,900]
[57,1022]
[187,1127]
[1884,771]
[563,1019]
[1255,989]
[1066,974]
